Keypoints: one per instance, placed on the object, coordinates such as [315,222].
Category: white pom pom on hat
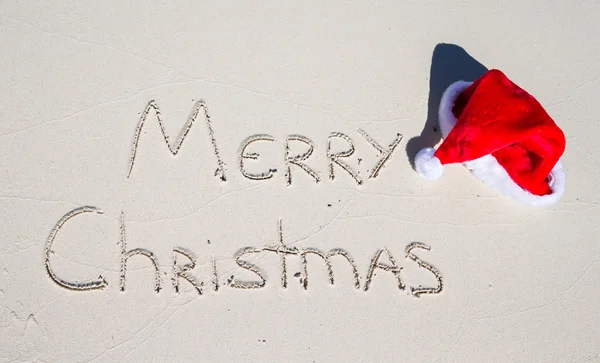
[427,165]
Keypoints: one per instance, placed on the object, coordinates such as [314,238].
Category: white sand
[520,284]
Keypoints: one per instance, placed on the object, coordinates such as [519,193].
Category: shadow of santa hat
[503,136]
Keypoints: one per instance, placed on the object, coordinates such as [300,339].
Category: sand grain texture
[520,284]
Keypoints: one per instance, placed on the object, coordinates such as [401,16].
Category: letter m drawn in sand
[176,146]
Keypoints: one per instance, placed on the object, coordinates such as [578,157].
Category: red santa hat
[503,135]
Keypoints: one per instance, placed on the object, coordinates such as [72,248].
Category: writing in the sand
[184,267]
[250,148]
[184,262]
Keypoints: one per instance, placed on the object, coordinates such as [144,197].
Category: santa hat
[503,135]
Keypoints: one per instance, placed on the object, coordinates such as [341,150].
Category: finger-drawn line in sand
[254,156]
[176,146]
[250,267]
[284,250]
[417,291]
[125,255]
[297,159]
[186,271]
[393,268]
[98,283]
[335,156]
[215,273]
[181,271]
[327,259]
[386,154]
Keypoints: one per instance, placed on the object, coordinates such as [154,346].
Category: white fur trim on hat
[446,117]
[487,168]
[427,165]
[489,171]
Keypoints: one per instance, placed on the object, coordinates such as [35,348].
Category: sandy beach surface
[232,182]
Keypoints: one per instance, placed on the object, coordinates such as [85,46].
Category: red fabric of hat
[493,122]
